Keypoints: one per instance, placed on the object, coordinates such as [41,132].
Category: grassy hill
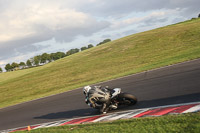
[128,55]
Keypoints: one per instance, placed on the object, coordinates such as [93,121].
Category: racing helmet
[86,89]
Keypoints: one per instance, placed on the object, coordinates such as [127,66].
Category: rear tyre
[128,99]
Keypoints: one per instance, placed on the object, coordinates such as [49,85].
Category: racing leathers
[99,98]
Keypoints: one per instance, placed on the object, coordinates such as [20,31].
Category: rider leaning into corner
[99,98]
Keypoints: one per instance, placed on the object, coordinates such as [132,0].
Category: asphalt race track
[175,84]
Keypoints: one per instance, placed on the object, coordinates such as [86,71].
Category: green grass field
[185,123]
[125,56]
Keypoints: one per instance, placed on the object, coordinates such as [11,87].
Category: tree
[56,56]
[49,58]
[1,70]
[83,48]
[45,57]
[14,65]
[36,60]
[53,56]
[22,65]
[104,41]
[90,46]
[76,50]
[8,67]
[199,15]
[72,51]
[28,63]
[60,55]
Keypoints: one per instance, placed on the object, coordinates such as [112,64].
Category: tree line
[46,58]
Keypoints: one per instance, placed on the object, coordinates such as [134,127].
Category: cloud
[23,45]
[149,19]
[46,20]
[119,8]
[2,63]
[25,23]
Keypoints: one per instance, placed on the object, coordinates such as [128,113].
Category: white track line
[193,109]
[128,115]
[103,118]
[120,116]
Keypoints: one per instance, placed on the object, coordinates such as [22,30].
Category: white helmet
[86,89]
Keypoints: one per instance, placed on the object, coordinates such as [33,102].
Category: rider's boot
[104,109]
[114,106]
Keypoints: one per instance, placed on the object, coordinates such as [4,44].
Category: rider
[98,97]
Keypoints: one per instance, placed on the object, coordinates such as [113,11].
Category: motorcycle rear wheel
[128,99]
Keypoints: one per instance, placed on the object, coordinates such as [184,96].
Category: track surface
[175,84]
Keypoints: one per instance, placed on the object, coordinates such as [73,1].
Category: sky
[32,27]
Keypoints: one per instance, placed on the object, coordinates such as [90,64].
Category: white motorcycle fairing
[117,92]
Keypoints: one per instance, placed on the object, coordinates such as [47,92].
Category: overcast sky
[32,27]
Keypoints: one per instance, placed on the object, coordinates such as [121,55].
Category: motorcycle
[119,98]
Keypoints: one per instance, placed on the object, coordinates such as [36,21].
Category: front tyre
[127,99]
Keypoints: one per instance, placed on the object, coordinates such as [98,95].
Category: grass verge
[132,54]
[182,123]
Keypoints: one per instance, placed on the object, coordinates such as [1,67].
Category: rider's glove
[89,104]
[86,100]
